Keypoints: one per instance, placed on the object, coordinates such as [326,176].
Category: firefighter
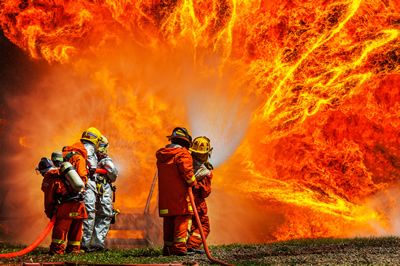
[201,152]
[82,155]
[88,145]
[103,204]
[175,175]
[61,200]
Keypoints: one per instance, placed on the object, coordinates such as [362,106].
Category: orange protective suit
[76,155]
[175,175]
[69,215]
[200,193]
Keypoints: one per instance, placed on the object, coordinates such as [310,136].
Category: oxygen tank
[70,173]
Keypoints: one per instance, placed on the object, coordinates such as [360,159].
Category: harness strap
[69,155]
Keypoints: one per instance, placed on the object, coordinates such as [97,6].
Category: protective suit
[200,151]
[175,175]
[90,197]
[68,206]
[77,155]
[200,193]
[99,202]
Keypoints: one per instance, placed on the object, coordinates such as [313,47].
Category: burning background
[300,99]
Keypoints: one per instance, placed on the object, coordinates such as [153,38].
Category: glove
[114,217]
[92,171]
[101,155]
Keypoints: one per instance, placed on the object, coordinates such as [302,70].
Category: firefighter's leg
[59,236]
[181,226]
[74,236]
[103,218]
[88,224]
[195,241]
[168,231]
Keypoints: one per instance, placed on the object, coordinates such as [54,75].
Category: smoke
[388,204]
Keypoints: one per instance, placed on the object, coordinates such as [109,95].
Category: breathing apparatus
[70,173]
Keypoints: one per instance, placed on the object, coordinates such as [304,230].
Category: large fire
[301,101]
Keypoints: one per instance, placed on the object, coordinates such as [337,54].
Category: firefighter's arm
[185,166]
[206,186]
[48,187]
[112,171]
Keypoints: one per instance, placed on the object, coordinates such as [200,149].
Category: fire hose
[42,235]
[203,238]
[34,244]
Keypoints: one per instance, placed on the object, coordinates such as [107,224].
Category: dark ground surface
[363,251]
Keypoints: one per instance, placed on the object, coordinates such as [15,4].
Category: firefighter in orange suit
[200,151]
[175,175]
[82,155]
[66,204]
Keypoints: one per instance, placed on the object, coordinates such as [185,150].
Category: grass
[154,255]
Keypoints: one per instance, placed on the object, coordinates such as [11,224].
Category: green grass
[154,255]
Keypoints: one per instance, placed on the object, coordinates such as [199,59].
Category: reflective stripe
[165,211]
[189,224]
[196,235]
[188,229]
[167,243]
[73,214]
[180,239]
[74,243]
[57,241]
[190,181]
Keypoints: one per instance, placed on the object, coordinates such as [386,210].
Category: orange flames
[299,98]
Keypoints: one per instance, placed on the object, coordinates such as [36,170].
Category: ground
[360,251]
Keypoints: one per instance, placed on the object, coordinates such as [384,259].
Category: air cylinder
[70,173]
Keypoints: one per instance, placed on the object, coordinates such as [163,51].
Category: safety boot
[101,249]
[166,251]
[197,251]
[88,250]
[187,253]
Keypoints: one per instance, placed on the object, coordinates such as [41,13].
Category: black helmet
[180,133]
[45,165]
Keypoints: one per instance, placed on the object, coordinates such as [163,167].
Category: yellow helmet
[93,135]
[103,146]
[201,145]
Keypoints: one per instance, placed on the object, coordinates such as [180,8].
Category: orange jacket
[203,187]
[175,175]
[52,186]
[78,159]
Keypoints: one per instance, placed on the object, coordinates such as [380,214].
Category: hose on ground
[202,232]
[34,244]
[42,235]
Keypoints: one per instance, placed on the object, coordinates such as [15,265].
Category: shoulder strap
[69,155]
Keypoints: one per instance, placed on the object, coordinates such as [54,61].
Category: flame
[23,142]
[299,98]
